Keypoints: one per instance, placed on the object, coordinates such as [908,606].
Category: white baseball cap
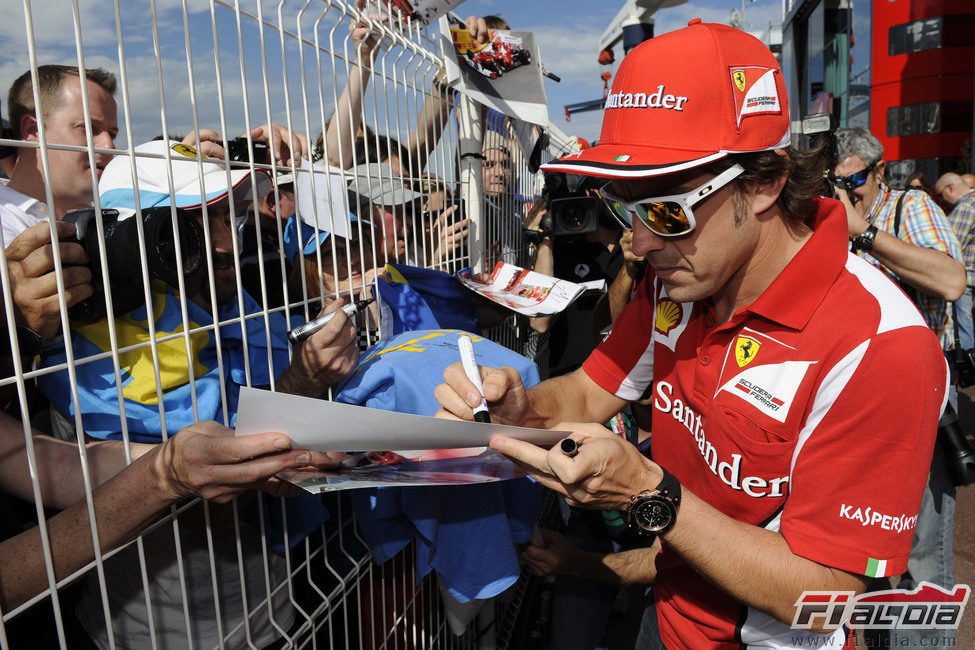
[194,182]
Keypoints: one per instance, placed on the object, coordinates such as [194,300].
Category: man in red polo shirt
[787,374]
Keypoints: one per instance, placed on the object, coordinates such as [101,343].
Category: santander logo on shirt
[728,469]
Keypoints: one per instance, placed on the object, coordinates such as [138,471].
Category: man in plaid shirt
[908,236]
[955,192]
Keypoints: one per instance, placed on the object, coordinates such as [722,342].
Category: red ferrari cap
[686,98]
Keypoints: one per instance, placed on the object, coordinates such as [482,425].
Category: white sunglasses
[668,216]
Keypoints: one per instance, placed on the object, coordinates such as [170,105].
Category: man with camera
[908,236]
[71,175]
[763,339]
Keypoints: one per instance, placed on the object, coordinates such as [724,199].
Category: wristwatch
[30,342]
[653,512]
[864,241]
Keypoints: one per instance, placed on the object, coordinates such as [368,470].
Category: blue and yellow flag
[97,393]
[427,299]
[466,533]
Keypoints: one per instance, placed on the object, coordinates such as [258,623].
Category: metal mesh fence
[201,290]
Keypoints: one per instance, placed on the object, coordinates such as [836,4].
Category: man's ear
[881,170]
[28,128]
[763,196]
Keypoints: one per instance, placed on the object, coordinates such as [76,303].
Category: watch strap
[668,488]
[864,241]
[30,342]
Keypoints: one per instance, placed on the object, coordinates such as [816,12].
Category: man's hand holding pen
[326,357]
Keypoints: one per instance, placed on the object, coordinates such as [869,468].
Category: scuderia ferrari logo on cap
[755,91]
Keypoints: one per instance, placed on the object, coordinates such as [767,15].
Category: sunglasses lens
[666,218]
[619,211]
[858,179]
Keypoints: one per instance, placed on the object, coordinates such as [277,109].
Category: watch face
[653,514]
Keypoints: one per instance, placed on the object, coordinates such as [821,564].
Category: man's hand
[854,212]
[635,266]
[33,283]
[478,28]
[503,389]
[207,141]
[208,460]
[325,358]
[287,145]
[449,236]
[605,473]
[557,557]
[364,34]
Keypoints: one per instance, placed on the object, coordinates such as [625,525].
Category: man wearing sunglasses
[764,340]
[920,251]
[908,236]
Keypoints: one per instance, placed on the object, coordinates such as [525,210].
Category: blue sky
[566,31]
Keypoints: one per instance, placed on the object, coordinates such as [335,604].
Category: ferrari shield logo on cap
[739,77]
[187,150]
[745,350]
[755,91]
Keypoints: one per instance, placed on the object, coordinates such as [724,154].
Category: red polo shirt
[812,413]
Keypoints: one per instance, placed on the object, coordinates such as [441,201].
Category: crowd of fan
[393,214]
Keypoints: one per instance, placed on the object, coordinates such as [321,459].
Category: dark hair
[922,178]
[20,101]
[496,22]
[803,171]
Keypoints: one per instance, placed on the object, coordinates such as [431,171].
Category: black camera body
[122,254]
[571,211]
[963,363]
[258,152]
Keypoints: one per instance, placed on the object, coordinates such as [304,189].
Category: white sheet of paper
[321,425]
[327,205]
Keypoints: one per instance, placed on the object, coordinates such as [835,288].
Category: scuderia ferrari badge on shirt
[755,92]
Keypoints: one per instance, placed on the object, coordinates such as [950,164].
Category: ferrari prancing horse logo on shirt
[745,350]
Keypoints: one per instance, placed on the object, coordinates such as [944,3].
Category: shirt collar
[878,203]
[802,285]
[21,201]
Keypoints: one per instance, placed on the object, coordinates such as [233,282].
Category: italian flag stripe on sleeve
[876,568]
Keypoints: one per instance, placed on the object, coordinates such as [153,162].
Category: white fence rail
[219,69]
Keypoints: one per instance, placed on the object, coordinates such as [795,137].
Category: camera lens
[161,245]
[573,217]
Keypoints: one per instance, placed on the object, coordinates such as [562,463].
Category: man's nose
[104,140]
[645,240]
[221,238]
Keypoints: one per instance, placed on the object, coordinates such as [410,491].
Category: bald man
[955,192]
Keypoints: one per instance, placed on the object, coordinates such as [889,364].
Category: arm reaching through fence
[204,459]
